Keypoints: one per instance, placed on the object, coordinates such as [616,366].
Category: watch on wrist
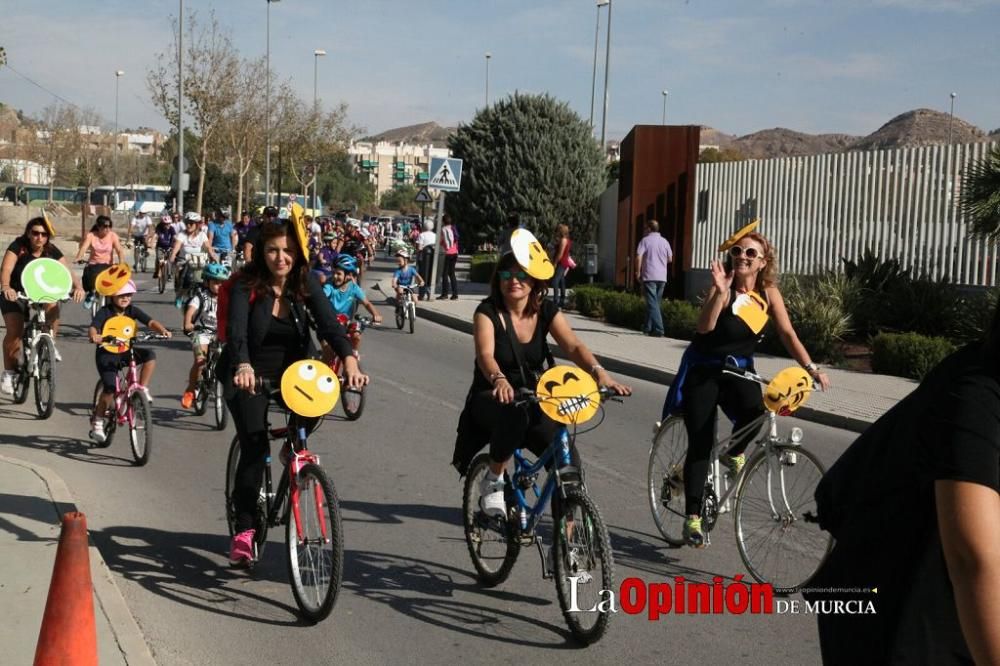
[811,367]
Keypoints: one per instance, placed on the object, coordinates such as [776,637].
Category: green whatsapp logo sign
[46,280]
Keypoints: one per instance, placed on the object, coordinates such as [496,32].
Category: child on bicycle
[200,323]
[404,275]
[345,294]
[109,363]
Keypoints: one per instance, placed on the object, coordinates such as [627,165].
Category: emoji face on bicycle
[568,394]
[310,388]
[122,329]
[788,391]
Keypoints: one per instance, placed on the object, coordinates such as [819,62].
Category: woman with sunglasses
[743,296]
[515,313]
[35,243]
[104,248]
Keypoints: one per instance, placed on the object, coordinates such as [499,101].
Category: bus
[38,195]
[150,199]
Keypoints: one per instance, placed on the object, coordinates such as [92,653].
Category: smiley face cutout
[122,329]
[569,395]
[309,388]
[788,391]
[112,278]
[46,280]
[530,254]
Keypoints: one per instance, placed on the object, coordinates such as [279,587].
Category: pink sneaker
[241,549]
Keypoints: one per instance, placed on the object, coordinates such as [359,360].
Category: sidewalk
[32,503]
[854,401]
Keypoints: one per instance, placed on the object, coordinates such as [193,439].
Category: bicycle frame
[126,384]
[35,328]
[525,473]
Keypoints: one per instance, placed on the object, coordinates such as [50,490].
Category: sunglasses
[750,253]
[507,275]
[39,234]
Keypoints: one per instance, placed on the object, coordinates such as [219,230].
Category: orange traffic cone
[69,633]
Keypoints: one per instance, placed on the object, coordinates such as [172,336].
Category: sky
[736,65]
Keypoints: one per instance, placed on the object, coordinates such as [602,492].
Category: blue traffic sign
[446,174]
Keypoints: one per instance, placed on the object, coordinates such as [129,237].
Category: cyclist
[108,363]
[222,234]
[269,216]
[164,233]
[271,302]
[325,258]
[200,323]
[34,243]
[515,313]
[243,228]
[404,275]
[743,296]
[104,248]
[345,294]
[139,228]
[191,241]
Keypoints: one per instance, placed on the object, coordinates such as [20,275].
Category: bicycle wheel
[161,285]
[491,541]
[45,380]
[140,427]
[219,407]
[665,479]
[110,419]
[315,544]
[22,379]
[778,536]
[96,303]
[412,315]
[201,396]
[582,553]
[353,402]
[142,262]
[400,317]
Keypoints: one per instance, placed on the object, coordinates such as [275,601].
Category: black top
[109,311]
[21,248]
[732,336]
[279,348]
[535,352]
[878,500]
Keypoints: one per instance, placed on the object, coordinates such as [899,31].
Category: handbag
[570,263]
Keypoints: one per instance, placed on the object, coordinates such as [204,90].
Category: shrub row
[481,267]
[629,310]
[908,354]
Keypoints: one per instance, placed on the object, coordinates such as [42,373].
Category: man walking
[651,261]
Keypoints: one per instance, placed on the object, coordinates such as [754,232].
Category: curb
[656,375]
[128,636]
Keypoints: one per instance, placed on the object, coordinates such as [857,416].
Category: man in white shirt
[139,229]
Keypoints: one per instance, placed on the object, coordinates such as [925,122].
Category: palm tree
[980,200]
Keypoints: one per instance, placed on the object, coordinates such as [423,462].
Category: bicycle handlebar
[24,297]
[749,375]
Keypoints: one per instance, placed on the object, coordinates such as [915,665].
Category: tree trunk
[238,211]
[201,174]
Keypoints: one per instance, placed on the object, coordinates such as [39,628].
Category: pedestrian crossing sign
[447,174]
[423,196]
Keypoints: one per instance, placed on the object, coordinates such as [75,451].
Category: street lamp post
[118,75]
[593,78]
[665,93]
[179,203]
[951,116]
[267,111]
[317,54]
[488,56]
[607,72]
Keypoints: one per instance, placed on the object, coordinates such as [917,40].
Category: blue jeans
[559,286]
[653,290]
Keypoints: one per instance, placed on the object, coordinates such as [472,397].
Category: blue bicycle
[580,558]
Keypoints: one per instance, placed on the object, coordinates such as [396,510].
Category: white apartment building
[390,165]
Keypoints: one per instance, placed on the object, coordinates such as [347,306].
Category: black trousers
[705,389]
[250,418]
[426,258]
[513,427]
[449,275]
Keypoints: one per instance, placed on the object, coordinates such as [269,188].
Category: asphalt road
[408,594]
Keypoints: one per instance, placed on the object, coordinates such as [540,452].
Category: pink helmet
[127,288]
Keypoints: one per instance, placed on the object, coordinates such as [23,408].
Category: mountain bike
[351,399]
[580,559]
[141,255]
[166,269]
[132,404]
[187,275]
[777,531]
[306,504]
[38,358]
[208,390]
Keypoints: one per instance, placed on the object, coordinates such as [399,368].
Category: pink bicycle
[132,405]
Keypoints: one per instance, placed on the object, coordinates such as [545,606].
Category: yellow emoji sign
[752,309]
[309,388]
[112,278]
[735,238]
[568,394]
[297,218]
[530,254]
[48,226]
[122,329]
[788,391]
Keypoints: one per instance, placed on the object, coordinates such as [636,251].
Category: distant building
[390,165]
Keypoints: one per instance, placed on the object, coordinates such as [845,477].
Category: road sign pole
[437,244]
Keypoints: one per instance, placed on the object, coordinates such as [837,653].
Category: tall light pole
[488,56]
[118,75]
[593,78]
[607,71]
[267,111]
[664,121]
[951,117]
[317,54]
[180,111]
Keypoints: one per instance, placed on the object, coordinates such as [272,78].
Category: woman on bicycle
[266,331]
[515,313]
[164,233]
[105,249]
[34,243]
[744,295]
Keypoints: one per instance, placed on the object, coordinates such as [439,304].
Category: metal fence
[901,203]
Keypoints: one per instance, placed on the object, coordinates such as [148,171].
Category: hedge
[481,267]
[908,354]
[680,318]
[624,309]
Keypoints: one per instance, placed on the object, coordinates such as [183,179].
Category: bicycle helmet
[346,263]
[192,217]
[403,252]
[127,288]
[271,211]
[214,271]
[329,236]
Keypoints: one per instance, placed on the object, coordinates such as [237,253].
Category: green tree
[218,192]
[725,155]
[532,155]
[399,198]
[980,199]
[340,186]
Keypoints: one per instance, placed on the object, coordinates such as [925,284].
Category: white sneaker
[58,355]
[97,431]
[7,383]
[491,499]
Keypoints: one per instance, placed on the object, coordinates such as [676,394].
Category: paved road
[408,594]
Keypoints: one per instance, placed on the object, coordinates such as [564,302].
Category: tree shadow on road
[77,449]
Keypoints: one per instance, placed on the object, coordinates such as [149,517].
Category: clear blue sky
[737,65]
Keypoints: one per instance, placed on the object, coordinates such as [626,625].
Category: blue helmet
[346,263]
[214,271]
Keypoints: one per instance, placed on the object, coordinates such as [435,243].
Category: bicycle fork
[295,465]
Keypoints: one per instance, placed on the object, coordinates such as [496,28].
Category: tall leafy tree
[980,199]
[531,155]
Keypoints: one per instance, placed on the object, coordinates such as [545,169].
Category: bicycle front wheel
[140,427]
[161,285]
[583,560]
[315,544]
[665,479]
[110,417]
[490,539]
[219,406]
[412,316]
[45,380]
[201,397]
[777,532]
[353,402]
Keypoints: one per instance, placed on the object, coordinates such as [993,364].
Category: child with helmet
[405,274]
[108,363]
[200,322]
[344,294]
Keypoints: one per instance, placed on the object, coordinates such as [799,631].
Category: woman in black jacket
[267,331]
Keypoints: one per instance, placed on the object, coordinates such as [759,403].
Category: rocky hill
[920,127]
[781,142]
[421,134]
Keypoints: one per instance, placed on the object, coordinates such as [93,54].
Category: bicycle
[93,301]
[187,274]
[141,258]
[581,549]
[38,358]
[166,269]
[132,404]
[773,493]
[406,310]
[351,399]
[313,533]
[208,390]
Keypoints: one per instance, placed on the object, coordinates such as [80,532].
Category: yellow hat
[735,238]
[48,226]
[296,217]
